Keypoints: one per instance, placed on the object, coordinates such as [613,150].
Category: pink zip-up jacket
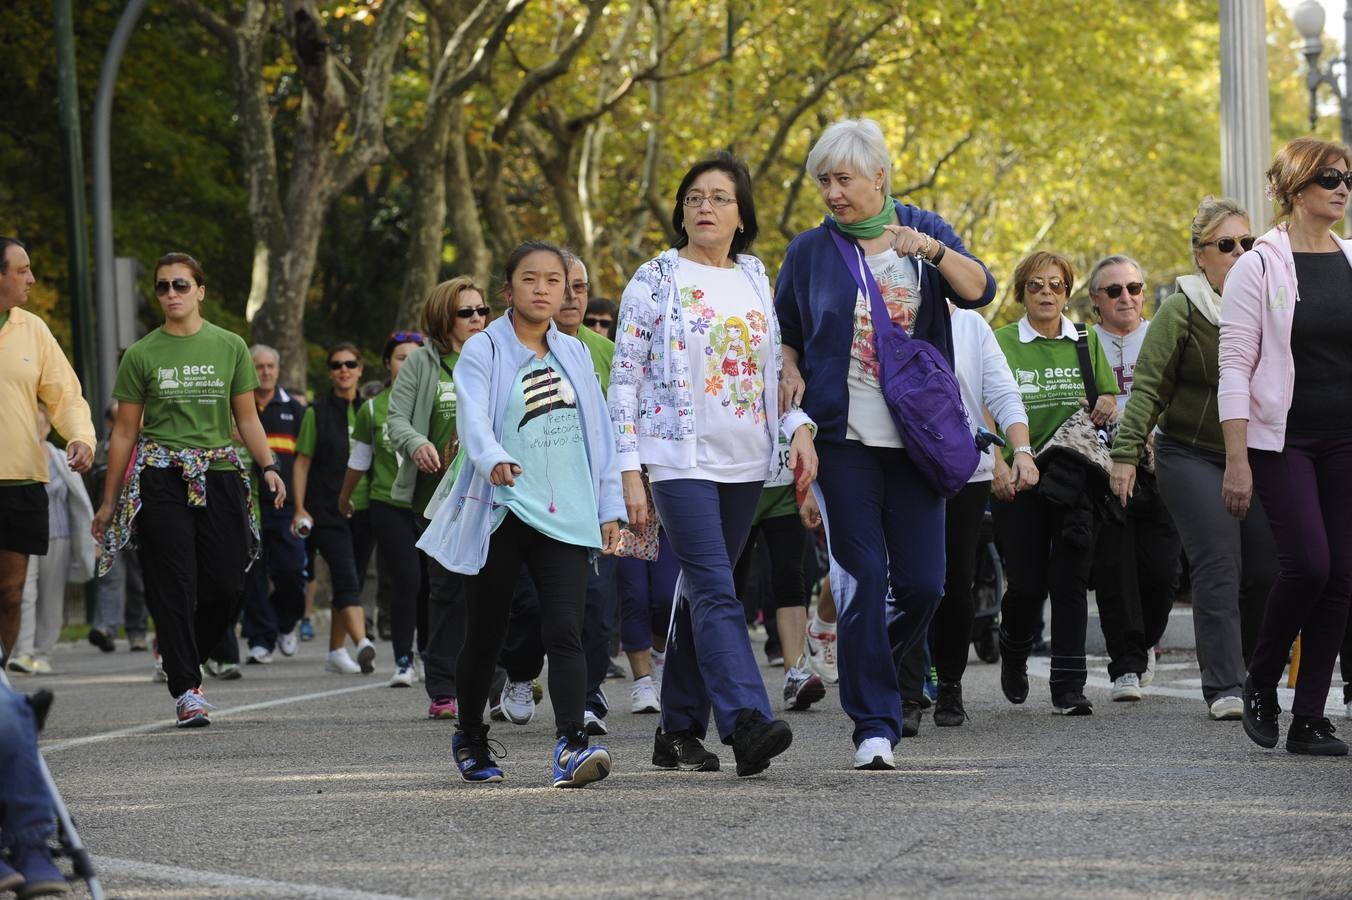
[1258,372]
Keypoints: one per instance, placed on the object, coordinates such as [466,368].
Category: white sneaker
[643,697]
[659,664]
[1348,710]
[259,656]
[1148,675]
[41,666]
[340,662]
[821,654]
[158,675]
[518,702]
[418,674]
[366,656]
[594,724]
[1227,708]
[1127,687]
[874,753]
[23,664]
[288,642]
[402,677]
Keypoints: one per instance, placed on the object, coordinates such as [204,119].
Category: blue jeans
[885,529]
[709,656]
[26,817]
[122,597]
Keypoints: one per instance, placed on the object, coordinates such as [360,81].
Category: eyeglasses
[593,321]
[336,364]
[1115,290]
[1227,244]
[470,312]
[1037,285]
[581,287]
[405,337]
[1329,179]
[178,286]
[695,200]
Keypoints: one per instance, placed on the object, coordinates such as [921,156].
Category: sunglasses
[593,321]
[336,364]
[178,286]
[581,287]
[470,312]
[405,337]
[1227,245]
[1329,179]
[1036,285]
[1115,290]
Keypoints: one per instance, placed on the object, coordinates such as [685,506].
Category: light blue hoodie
[485,377]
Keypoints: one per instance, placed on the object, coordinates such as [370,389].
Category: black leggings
[334,543]
[560,574]
[951,629]
[785,540]
[395,535]
[192,559]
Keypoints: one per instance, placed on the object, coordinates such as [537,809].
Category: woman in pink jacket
[1285,403]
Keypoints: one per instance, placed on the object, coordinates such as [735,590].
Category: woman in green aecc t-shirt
[186,490]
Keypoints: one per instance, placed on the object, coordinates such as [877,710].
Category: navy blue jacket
[814,300]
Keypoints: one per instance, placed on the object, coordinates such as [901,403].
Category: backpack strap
[1091,391]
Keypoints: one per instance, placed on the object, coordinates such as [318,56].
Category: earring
[740,229]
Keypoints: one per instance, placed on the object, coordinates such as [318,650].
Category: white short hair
[856,143]
[258,350]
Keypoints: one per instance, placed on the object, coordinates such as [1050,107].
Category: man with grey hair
[270,618]
[1136,559]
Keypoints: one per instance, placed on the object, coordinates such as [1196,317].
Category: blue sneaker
[41,877]
[307,631]
[473,756]
[576,766]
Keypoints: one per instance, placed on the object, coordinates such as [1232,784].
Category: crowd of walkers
[573,477]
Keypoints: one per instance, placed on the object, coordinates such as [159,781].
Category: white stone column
[1246,142]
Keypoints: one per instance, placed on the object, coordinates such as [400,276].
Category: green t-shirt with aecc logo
[185,384]
[1047,371]
[371,429]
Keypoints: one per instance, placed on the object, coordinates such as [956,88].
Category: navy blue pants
[646,591]
[709,656]
[885,529]
[282,562]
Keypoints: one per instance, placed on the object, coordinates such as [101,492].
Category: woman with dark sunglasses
[186,496]
[421,426]
[1232,563]
[374,464]
[1047,535]
[1285,407]
[317,482]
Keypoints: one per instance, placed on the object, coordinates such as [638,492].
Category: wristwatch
[273,467]
[1022,449]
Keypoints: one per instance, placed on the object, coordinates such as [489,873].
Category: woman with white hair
[896,534]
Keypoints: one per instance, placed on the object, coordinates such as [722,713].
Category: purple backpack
[920,389]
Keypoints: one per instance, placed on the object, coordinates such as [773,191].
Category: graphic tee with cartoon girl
[728,340]
[869,420]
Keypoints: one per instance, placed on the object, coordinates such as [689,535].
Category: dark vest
[329,464]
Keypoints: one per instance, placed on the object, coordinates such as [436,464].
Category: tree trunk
[426,164]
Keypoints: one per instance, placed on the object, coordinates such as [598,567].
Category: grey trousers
[1232,563]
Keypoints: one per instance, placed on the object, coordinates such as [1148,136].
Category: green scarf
[871,227]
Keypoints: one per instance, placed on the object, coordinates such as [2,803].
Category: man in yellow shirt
[32,368]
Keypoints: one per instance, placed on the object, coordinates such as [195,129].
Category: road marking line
[240,885]
[56,746]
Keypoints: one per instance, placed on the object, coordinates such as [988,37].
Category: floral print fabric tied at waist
[194,462]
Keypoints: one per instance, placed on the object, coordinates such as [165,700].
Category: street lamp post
[1309,21]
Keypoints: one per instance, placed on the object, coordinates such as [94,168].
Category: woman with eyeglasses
[421,426]
[1135,571]
[1232,562]
[884,520]
[186,497]
[1046,535]
[694,399]
[1286,415]
[317,482]
[374,463]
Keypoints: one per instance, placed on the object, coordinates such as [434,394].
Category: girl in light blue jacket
[539,487]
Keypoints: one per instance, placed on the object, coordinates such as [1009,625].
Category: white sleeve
[999,391]
[359,456]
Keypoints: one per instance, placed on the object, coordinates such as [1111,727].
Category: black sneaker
[756,741]
[1260,714]
[1313,736]
[682,750]
[910,718]
[948,710]
[1072,703]
[1014,677]
[101,639]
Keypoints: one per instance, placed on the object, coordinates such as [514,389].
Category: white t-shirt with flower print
[729,345]
[869,420]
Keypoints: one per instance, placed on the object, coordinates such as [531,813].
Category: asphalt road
[326,786]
